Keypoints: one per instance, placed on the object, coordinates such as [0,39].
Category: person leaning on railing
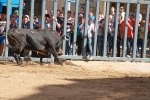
[2,32]
[148,45]
[141,35]
[79,33]
[130,26]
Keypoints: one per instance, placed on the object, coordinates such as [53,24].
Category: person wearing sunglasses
[121,10]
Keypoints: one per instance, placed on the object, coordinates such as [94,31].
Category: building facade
[38,6]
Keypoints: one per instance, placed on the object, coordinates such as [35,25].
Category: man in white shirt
[122,12]
[70,24]
[90,30]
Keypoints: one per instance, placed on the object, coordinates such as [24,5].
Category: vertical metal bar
[65,23]
[125,31]
[54,13]
[146,31]
[116,29]
[75,27]
[43,13]
[54,22]
[135,31]
[31,14]
[20,12]
[7,26]
[106,27]
[69,4]
[85,28]
[95,35]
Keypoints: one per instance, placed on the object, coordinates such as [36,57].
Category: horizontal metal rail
[85,40]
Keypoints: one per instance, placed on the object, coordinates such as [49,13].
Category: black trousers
[118,45]
[79,44]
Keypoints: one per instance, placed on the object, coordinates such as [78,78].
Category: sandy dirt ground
[77,80]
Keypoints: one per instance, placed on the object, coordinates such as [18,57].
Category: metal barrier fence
[84,56]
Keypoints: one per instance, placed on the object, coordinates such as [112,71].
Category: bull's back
[41,35]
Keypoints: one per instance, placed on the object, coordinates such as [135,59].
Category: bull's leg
[17,56]
[41,58]
[18,59]
[53,51]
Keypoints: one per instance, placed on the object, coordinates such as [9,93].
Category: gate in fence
[109,42]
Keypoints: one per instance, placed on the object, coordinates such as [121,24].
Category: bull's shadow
[127,88]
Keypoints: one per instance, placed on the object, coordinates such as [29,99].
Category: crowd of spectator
[91,28]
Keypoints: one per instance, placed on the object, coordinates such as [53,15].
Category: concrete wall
[72,7]
[49,5]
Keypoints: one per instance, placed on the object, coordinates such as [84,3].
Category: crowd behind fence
[117,33]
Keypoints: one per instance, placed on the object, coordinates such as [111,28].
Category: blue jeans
[2,39]
[109,44]
[129,45]
[90,46]
[68,44]
[100,42]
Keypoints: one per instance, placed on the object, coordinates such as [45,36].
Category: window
[92,3]
[37,7]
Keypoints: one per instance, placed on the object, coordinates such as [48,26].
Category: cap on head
[132,14]
[91,18]
[16,12]
[80,15]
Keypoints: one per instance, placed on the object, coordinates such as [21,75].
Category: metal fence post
[54,13]
[54,22]
[43,13]
[85,28]
[106,28]
[97,26]
[65,24]
[20,13]
[7,25]
[146,31]
[136,31]
[116,29]
[125,32]
[75,27]
[31,13]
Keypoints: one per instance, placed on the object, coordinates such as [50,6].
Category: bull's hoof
[60,62]
[20,62]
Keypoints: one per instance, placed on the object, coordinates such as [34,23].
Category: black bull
[40,40]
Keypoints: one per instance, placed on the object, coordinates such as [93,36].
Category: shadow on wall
[127,88]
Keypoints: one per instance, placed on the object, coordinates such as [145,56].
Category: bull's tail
[12,47]
[64,37]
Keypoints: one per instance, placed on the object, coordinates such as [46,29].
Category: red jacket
[130,32]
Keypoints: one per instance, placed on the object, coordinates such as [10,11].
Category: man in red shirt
[130,25]
[149,28]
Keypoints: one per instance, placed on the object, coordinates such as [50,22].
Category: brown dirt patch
[76,80]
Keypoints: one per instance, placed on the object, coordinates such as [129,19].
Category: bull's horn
[32,31]
[65,38]
[16,31]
